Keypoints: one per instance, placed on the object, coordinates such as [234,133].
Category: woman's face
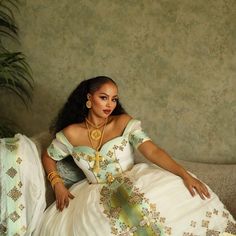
[104,100]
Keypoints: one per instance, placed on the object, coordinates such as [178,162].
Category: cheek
[98,103]
[114,105]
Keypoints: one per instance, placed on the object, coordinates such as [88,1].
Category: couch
[220,177]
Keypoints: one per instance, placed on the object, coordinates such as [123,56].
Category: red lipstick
[107,111]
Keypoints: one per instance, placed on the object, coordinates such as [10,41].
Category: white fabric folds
[22,186]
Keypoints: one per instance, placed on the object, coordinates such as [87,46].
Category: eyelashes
[105,98]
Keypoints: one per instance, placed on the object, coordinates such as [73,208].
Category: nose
[108,103]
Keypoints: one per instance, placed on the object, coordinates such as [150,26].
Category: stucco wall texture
[174,62]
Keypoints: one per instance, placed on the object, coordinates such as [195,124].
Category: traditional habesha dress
[126,199]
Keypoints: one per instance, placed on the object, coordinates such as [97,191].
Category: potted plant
[15,73]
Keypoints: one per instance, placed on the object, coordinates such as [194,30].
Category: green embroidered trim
[130,213]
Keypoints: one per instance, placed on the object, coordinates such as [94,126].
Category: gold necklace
[96,132]
[97,158]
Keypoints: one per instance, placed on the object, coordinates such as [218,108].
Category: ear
[88,96]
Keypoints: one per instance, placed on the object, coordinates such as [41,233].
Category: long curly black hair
[75,110]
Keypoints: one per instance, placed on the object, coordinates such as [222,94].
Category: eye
[103,97]
[115,100]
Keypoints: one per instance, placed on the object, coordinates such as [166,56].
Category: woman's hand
[195,185]
[62,196]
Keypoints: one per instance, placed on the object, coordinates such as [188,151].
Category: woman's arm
[159,157]
[62,194]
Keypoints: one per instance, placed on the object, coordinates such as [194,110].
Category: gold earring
[88,104]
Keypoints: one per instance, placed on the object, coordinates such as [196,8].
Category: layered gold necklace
[95,135]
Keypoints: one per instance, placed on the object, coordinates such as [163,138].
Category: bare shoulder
[122,119]
[71,131]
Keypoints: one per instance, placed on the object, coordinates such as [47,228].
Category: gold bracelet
[55,181]
[52,175]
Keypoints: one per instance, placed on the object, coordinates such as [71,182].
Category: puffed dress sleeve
[137,136]
[60,147]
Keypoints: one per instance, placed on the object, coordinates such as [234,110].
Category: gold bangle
[52,175]
[55,181]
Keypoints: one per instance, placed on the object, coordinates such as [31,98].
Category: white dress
[127,199]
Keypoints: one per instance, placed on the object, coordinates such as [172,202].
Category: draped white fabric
[22,186]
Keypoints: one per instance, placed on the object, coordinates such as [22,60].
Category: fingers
[60,204]
[196,186]
[71,196]
[63,202]
[206,192]
[201,189]
[191,190]
[200,193]
[67,202]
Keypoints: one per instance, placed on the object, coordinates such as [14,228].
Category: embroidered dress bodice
[116,155]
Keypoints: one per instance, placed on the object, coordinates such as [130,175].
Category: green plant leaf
[15,73]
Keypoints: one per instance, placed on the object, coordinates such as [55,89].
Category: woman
[118,197]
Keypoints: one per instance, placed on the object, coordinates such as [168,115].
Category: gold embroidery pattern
[14,216]
[20,184]
[162,220]
[110,153]
[121,200]
[212,233]
[193,223]
[3,229]
[11,147]
[77,155]
[135,140]
[52,151]
[124,142]
[225,214]
[14,193]
[19,160]
[11,172]
[205,223]
[215,212]
[231,228]
[21,207]
[168,230]
[208,214]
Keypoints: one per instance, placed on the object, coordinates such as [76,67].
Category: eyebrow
[108,95]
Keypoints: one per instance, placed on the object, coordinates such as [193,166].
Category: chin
[104,116]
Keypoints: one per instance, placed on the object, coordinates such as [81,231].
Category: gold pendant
[96,134]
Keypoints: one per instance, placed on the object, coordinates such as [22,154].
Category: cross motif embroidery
[97,158]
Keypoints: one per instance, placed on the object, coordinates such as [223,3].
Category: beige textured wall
[174,61]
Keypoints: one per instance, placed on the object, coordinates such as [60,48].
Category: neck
[95,120]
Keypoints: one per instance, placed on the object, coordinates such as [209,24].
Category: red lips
[107,111]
